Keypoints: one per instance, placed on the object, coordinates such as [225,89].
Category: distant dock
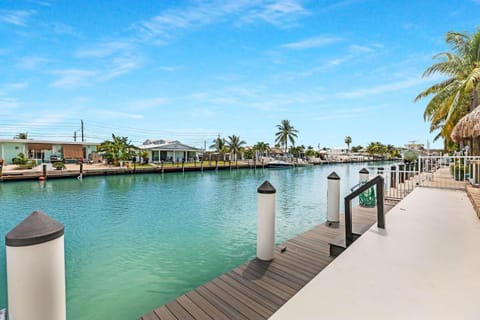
[73,170]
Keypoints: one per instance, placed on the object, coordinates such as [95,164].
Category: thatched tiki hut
[467,131]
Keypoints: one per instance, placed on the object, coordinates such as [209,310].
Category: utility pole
[83,137]
[74,136]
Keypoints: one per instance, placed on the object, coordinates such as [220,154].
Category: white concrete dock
[424,265]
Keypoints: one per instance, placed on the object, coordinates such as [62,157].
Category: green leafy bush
[29,164]
[58,165]
[20,159]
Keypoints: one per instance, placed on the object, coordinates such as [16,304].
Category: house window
[38,154]
[155,156]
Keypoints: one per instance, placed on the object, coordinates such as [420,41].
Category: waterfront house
[45,150]
[164,150]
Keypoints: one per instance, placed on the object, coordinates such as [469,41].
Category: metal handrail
[378,182]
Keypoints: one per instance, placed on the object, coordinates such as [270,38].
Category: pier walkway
[257,289]
[424,265]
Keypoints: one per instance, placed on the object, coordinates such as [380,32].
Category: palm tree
[235,144]
[144,155]
[261,147]
[458,94]
[286,132]
[348,140]
[219,145]
[376,148]
[117,149]
[21,135]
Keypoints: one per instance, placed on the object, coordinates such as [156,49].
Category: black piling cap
[333,176]
[35,229]
[266,187]
[363,171]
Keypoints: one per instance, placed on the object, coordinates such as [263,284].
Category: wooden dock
[257,289]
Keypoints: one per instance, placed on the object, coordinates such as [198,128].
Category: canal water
[135,242]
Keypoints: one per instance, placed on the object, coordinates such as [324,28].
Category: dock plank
[192,308]
[206,306]
[164,314]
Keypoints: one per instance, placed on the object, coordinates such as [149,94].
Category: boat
[302,163]
[279,164]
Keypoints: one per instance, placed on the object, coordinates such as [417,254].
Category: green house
[44,150]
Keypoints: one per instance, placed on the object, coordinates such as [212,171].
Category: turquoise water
[135,242]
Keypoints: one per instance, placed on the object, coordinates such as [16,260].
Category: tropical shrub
[58,165]
[20,159]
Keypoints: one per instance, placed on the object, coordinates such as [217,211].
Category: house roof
[27,141]
[164,145]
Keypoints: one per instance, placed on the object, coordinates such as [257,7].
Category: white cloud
[375,90]
[31,63]
[147,103]
[118,114]
[315,42]
[104,49]
[8,103]
[41,3]
[119,67]
[258,98]
[16,17]
[170,68]
[64,29]
[280,13]
[73,77]
[346,113]
[339,5]
[70,78]
[357,49]
[6,88]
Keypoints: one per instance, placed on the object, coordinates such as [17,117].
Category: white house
[163,150]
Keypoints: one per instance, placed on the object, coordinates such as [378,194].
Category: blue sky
[190,70]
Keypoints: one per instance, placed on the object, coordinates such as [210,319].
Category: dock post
[44,170]
[401,176]
[393,176]
[333,200]
[36,269]
[367,198]
[266,221]
[363,176]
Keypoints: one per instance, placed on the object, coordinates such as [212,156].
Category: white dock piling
[36,269]
[266,222]
[333,200]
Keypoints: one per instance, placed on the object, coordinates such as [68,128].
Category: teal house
[43,150]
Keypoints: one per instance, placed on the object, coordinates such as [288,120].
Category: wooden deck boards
[257,289]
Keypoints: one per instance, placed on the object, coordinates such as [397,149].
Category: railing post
[333,200]
[380,209]
[36,269]
[266,221]
[401,169]
[393,176]
[348,222]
